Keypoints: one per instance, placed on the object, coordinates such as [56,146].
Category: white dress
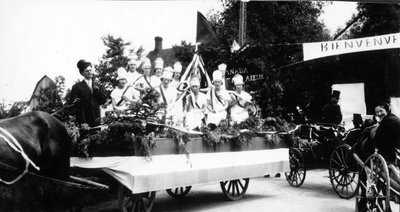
[238,110]
[155,81]
[116,95]
[168,96]
[218,101]
[195,112]
[132,77]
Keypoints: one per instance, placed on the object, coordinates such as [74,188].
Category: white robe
[218,104]
[195,112]
[168,96]
[239,112]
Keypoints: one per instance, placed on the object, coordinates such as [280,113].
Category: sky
[48,37]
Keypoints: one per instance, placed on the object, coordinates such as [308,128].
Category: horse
[43,139]
[41,147]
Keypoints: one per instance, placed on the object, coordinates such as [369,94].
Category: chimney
[158,43]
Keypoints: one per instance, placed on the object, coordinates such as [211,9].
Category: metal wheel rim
[380,202]
[297,174]
[179,192]
[234,189]
[142,202]
[343,172]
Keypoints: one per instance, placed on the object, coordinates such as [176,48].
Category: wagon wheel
[343,172]
[235,189]
[297,173]
[374,186]
[142,202]
[179,192]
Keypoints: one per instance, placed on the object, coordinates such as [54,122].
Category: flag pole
[196,48]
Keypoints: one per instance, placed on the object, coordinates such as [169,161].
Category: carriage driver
[331,112]
[87,96]
[240,99]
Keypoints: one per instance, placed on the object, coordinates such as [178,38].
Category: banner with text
[329,48]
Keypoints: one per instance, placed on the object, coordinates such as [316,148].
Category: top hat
[357,118]
[82,64]
[335,94]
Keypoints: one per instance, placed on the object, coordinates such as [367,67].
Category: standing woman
[387,136]
[241,99]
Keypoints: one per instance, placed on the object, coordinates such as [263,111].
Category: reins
[16,146]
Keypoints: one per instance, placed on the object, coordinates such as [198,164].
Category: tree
[113,59]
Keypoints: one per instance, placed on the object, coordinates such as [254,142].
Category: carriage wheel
[142,202]
[179,192]
[297,173]
[343,172]
[374,186]
[235,189]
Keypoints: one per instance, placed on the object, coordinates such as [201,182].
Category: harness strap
[17,147]
[14,144]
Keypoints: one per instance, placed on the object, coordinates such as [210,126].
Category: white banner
[351,101]
[395,105]
[329,48]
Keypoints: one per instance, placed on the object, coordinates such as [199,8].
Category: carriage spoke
[338,157]
[241,185]
[338,164]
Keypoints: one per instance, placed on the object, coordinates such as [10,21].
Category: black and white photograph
[199,105]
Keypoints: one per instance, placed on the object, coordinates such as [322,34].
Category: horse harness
[16,146]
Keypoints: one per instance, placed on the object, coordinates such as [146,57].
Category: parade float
[146,153]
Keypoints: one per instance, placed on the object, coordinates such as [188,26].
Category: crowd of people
[185,103]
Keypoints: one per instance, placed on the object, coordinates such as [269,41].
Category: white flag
[235,46]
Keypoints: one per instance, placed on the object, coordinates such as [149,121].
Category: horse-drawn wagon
[140,177]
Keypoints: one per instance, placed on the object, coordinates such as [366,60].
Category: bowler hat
[82,64]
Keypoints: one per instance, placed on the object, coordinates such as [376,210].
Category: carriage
[326,146]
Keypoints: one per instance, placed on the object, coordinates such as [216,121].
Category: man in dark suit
[331,112]
[87,96]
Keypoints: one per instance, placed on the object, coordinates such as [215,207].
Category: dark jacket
[331,113]
[87,109]
[387,137]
